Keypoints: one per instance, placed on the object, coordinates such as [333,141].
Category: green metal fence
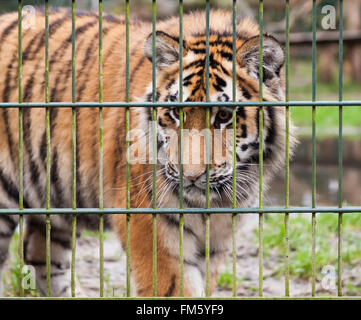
[128,211]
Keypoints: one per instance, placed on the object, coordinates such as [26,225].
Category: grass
[95,234]
[326,117]
[11,277]
[300,241]
[225,279]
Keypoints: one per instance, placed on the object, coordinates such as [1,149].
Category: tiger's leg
[141,258]
[60,248]
[7,227]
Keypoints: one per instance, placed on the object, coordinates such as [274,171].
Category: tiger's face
[220,134]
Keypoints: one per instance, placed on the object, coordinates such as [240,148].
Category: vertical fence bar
[101,203]
[340,151]
[314,22]
[73,146]
[154,145]
[20,146]
[234,158]
[127,128]
[181,120]
[208,157]
[260,119]
[287,158]
[48,153]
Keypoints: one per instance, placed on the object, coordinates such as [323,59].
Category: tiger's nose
[192,173]
[193,177]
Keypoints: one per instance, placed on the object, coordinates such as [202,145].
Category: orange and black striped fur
[87,137]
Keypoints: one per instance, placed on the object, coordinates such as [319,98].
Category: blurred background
[327,122]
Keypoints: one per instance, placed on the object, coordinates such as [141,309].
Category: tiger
[142,121]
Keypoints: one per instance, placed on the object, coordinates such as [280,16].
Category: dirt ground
[87,267]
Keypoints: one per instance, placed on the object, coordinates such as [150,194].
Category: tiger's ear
[167,49]
[273,57]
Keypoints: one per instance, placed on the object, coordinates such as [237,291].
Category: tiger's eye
[224,115]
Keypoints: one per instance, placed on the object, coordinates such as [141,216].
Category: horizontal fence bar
[252,210]
[345,103]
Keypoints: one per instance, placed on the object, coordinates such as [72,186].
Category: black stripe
[271,130]
[58,265]
[7,31]
[160,122]
[141,291]
[29,86]
[33,167]
[245,93]
[217,42]
[170,84]
[241,112]
[196,88]
[228,56]
[220,83]
[242,83]
[9,134]
[195,63]
[11,189]
[9,221]
[43,149]
[244,131]
[68,72]
[139,64]
[59,54]
[30,83]
[244,147]
[26,57]
[86,61]
[26,53]
[174,38]
[225,55]
[4,234]
[135,70]
[36,224]
[63,290]
[111,50]
[118,149]
[188,78]
[257,121]
[111,18]
[8,80]
[92,191]
[173,222]
[149,97]
[79,197]
[193,264]
[224,70]
[171,288]
[53,27]
[57,199]
[63,242]
[212,252]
